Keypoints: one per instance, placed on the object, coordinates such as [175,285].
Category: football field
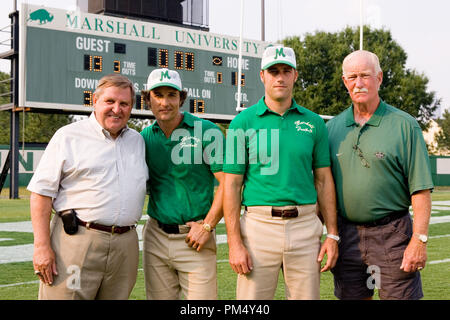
[18,282]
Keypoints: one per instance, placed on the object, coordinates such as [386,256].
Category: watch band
[207,227]
[334,237]
[422,237]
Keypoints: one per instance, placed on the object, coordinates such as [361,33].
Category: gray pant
[372,256]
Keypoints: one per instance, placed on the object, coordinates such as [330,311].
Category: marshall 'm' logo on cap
[164,74]
[279,54]
[164,77]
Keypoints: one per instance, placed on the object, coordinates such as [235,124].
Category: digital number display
[93,63]
[140,103]
[116,64]
[163,58]
[234,79]
[178,60]
[197,106]
[88,98]
[189,61]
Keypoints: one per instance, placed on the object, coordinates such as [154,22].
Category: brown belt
[383,221]
[285,213]
[109,229]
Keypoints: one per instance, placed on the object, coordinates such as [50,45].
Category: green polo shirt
[181,167]
[277,154]
[388,165]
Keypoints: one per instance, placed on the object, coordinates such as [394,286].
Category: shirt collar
[262,108]
[102,131]
[374,120]
[188,120]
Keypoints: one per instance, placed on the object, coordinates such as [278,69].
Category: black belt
[383,221]
[169,228]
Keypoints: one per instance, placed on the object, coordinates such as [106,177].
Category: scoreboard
[63,54]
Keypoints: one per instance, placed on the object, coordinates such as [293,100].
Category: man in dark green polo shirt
[184,155]
[278,151]
[380,165]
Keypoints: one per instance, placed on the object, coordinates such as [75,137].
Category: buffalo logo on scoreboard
[42,15]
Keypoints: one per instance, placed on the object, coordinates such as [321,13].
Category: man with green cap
[278,152]
[184,156]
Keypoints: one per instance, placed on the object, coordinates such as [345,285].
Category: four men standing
[93,174]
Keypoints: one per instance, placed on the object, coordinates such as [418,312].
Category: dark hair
[146,95]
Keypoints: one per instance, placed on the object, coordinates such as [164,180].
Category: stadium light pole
[14,115]
[238,81]
[263,21]
[360,24]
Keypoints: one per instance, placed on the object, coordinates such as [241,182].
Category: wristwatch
[334,237]
[422,237]
[207,227]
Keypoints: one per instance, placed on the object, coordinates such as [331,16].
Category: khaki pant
[172,268]
[92,264]
[274,243]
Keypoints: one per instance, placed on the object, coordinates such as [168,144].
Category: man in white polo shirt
[93,174]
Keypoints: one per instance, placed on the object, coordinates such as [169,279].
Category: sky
[422,28]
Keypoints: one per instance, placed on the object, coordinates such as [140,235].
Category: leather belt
[383,221]
[172,228]
[285,213]
[109,229]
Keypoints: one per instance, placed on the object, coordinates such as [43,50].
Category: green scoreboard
[63,54]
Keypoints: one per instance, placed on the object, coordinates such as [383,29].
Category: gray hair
[115,80]
[370,55]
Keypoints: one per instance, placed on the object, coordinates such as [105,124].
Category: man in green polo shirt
[380,165]
[278,151]
[184,155]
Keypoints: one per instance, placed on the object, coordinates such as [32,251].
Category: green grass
[440,194]
[439,229]
[14,210]
[435,277]
[18,238]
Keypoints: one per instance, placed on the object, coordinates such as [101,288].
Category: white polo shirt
[84,169]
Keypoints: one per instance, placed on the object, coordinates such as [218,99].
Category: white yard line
[445,203]
[22,226]
[440,236]
[439,261]
[443,219]
[20,253]
[18,284]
